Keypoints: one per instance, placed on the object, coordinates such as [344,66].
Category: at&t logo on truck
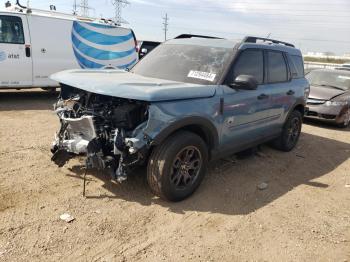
[39,43]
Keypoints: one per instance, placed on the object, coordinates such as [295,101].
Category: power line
[261,11]
[280,36]
[119,4]
[253,4]
[302,3]
[277,9]
[166,24]
[292,3]
[84,7]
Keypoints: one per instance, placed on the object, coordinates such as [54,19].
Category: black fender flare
[205,125]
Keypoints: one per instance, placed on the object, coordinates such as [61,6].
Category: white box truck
[35,44]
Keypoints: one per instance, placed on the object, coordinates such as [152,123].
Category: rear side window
[296,64]
[276,67]
[250,62]
[11,30]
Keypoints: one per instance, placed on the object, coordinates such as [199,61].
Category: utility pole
[84,6]
[75,11]
[119,5]
[166,24]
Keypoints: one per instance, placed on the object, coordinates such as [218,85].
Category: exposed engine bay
[103,128]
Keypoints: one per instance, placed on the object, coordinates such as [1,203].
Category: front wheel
[346,122]
[177,167]
[290,133]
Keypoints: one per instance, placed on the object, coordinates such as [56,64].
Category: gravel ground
[302,215]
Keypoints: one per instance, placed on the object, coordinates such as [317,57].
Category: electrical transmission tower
[119,5]
[84,7]
[166,24]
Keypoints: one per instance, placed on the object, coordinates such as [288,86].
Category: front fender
[207,127]
[165,118]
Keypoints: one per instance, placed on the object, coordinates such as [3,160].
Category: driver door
[246,112]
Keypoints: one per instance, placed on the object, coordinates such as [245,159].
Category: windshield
[333,79]
[185,63]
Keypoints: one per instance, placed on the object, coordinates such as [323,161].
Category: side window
[11,30]
[276,67]
[296,64]
[250,62]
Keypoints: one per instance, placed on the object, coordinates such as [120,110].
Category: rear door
[15,52]
[246,112]
[281,89]
[51,47]
[99,46]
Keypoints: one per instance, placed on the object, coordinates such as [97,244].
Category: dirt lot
[303,215]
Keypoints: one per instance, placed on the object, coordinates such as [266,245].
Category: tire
[290,133]
[169,175]
[49,89]
[346,122]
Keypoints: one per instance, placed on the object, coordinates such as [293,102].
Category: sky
[312,25]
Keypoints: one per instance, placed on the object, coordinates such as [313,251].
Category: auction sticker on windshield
[202,75]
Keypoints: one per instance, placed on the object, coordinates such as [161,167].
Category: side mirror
[144,50]
[245,82]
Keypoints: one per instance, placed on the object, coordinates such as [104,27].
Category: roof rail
[254,39]
[199,36]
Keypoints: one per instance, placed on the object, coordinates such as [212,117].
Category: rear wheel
[290,134]
[49,89]
[177,167]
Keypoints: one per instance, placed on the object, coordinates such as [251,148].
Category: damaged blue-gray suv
[191,100]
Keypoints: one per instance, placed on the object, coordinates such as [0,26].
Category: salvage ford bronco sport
[189,101]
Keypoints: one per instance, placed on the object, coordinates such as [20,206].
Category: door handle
[28,51]
[290,93]
[263,96]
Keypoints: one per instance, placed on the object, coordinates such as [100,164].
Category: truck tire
[177,167]
[290,133]
[49,89]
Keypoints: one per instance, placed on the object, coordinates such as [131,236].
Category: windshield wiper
[335,87]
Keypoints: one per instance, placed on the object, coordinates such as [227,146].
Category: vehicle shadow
[13,100]
[230,186]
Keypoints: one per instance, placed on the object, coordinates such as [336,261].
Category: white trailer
[35,44]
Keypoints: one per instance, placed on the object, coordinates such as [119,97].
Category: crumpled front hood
[324,93]
[127,85]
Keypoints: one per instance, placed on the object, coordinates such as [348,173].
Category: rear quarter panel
[51,48]
[56,46]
